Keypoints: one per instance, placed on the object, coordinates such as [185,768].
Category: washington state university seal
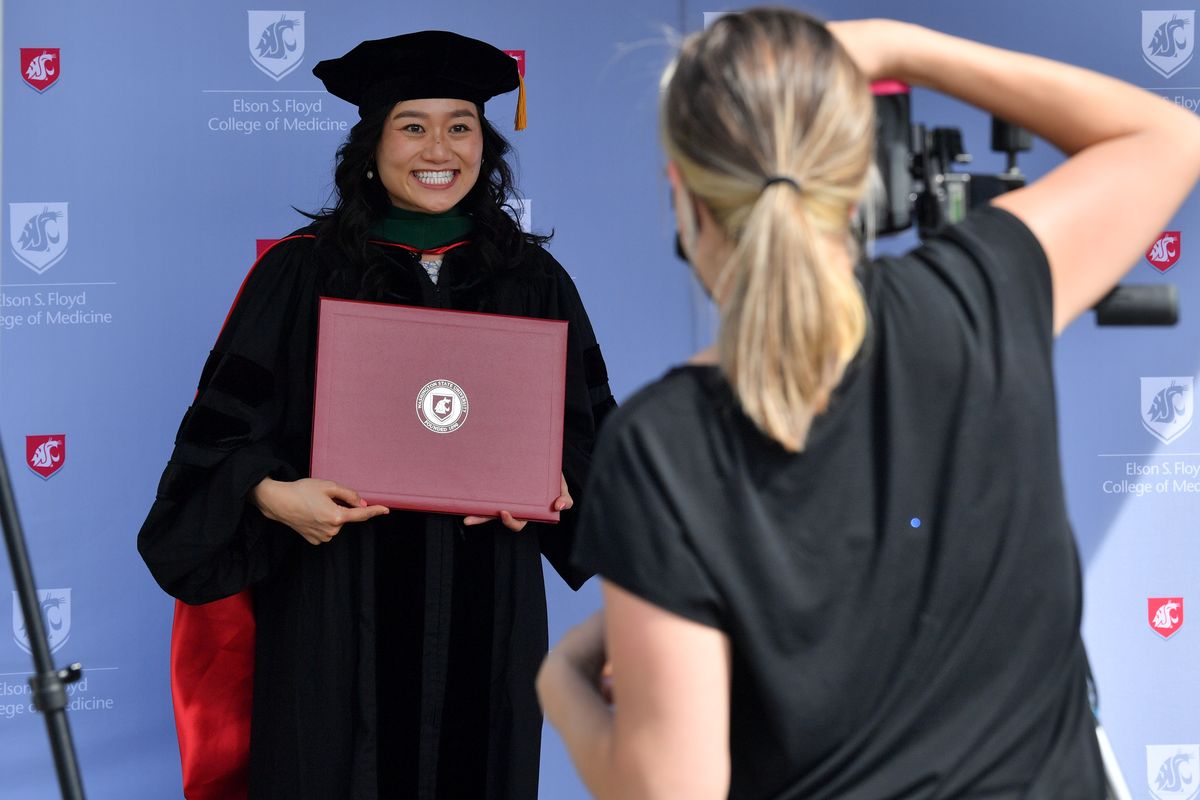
[1167,40]
[442,406]
[1165,615]
[38,233]
[1164,253]
[39,66]
[276,41]
[46,454]
[56,618]
[1167,406]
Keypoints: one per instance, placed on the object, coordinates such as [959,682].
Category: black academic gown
[398,660]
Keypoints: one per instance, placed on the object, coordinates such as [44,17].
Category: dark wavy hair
[359,271]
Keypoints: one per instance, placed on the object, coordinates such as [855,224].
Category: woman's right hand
[316,509]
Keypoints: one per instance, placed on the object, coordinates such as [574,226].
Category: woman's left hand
[561,503]
[583,646]
[669,727]
[581,651]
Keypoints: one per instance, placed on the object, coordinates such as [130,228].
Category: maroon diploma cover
[437,410]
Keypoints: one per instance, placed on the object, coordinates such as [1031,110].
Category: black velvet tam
[416,66]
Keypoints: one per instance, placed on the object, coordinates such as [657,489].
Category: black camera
[921,187]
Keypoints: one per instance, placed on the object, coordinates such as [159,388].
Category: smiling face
[429,153]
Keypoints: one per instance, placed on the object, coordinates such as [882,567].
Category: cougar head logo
[273,43]
[1166,41]
[1167,405]
[1175,773]
[46,454]
[39,68]
[36,235]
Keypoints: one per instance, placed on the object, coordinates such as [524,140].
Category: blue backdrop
[148,146]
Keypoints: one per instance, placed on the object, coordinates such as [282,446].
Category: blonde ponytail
[792,321]
[771,126]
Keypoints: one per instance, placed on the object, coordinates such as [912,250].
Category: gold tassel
[520,123]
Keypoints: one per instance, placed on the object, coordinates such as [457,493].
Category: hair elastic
[795,184]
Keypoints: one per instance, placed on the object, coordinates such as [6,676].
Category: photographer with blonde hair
[835,553]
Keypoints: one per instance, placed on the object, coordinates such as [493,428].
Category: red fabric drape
[212,680]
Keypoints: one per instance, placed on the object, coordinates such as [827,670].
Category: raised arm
[1133,157]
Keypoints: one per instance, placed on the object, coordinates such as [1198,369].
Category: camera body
[916,166]
[921,188]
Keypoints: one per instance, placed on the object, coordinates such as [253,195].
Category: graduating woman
[391,654]
[835,550]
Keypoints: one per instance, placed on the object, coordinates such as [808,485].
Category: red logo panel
[1163,254]
[519,55]
[262,245]
[1165,614]
[40,66]
[46,454]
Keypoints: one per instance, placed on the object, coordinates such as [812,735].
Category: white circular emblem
[442,406]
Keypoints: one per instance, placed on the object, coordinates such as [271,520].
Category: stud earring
[370,174]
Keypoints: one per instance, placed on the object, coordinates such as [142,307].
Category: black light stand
[48,684]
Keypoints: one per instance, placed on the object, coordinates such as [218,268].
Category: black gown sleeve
[202,539]
[588,401]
